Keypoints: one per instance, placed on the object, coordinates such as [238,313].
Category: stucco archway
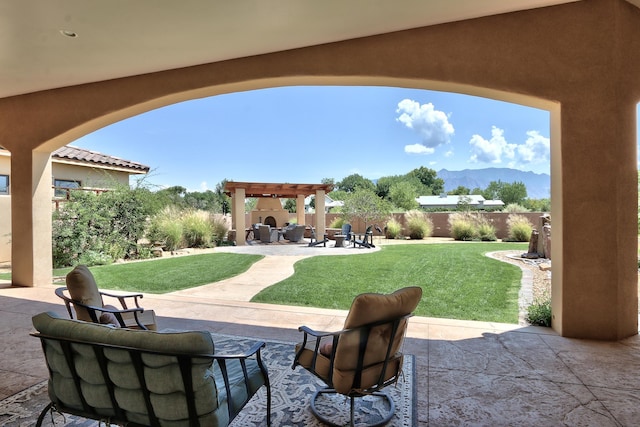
[582,53]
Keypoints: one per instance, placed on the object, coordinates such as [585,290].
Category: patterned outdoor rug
[291,391]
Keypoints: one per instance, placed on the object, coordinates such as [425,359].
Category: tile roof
[69,152]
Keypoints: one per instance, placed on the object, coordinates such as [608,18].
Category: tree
[354,182]
[461,190]
[429,178]
[403,195]
[223,199]
[515,192]
[365,205]
[290,205]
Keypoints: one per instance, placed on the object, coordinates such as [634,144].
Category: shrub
[393,229]
[197,229]
[338,222]
[485,231]
[514,208]
[419,225]
[90,258]
[166,228]
[462,226]
[219,229]
[539,313]
[519,227]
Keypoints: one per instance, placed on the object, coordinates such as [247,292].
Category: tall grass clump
[539,313]
[515,208]
[219,228]
[461,226]
[519,228]
[197,229]
[485,231]
[166,228]
[419,225]
[393,229]
[338,222]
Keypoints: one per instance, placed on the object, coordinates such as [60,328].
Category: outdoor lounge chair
[365,356]
[82,296]
[365,240]
[268,234]
[295,232]
[314,239]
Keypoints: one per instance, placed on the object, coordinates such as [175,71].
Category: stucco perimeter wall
[440,222]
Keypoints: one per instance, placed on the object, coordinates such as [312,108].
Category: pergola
[239,191]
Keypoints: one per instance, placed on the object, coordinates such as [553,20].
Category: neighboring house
[71,167]
[329,203]
[452,201]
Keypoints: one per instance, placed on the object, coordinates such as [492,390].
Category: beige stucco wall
[90,177]
[5,228]
[577,60]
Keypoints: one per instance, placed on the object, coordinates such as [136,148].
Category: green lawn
[171,274]
[458,280]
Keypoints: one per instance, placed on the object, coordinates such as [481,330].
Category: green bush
[419,225]
[338,222]
[197,229]
[485,231]
[514,208]
[539,313]
[393,229]
[519,228]
[219,229]
[462,226]
[166,229]
[91,257]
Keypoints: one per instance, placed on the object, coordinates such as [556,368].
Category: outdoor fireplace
[269,211]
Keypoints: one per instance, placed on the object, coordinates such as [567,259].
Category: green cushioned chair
[145,378]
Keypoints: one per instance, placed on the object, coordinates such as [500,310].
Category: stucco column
[237,209]
[595,287]
[31,209]
[320,215]
[300,209]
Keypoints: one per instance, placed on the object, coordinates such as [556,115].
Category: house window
[60,186]
[4,184]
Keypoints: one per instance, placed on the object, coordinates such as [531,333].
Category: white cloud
[431,125]
[418,149]
[449,153]
[536,148]
[492,150]
[203,186]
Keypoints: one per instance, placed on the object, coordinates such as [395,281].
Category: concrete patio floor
[468,373]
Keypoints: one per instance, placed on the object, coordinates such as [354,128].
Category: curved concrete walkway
[276,266]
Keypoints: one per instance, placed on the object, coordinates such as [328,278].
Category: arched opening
[497,136]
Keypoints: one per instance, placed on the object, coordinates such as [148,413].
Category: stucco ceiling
[118,38]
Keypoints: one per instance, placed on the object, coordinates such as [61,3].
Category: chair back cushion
[82,288]
[366,309]
[162,373]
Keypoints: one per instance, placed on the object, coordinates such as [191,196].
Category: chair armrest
[122,298]
[255,349]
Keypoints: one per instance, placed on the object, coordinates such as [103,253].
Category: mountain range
[538,184]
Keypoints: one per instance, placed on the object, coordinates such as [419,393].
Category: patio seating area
[467,373]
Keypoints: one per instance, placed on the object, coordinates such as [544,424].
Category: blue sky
[305,134]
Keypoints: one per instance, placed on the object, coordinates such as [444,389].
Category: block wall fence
[440,222]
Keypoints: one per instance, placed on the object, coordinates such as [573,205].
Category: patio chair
[345,235]
[82,296]
[295,232]
[314,239]
[268,234]
[365,356]
[365,240]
